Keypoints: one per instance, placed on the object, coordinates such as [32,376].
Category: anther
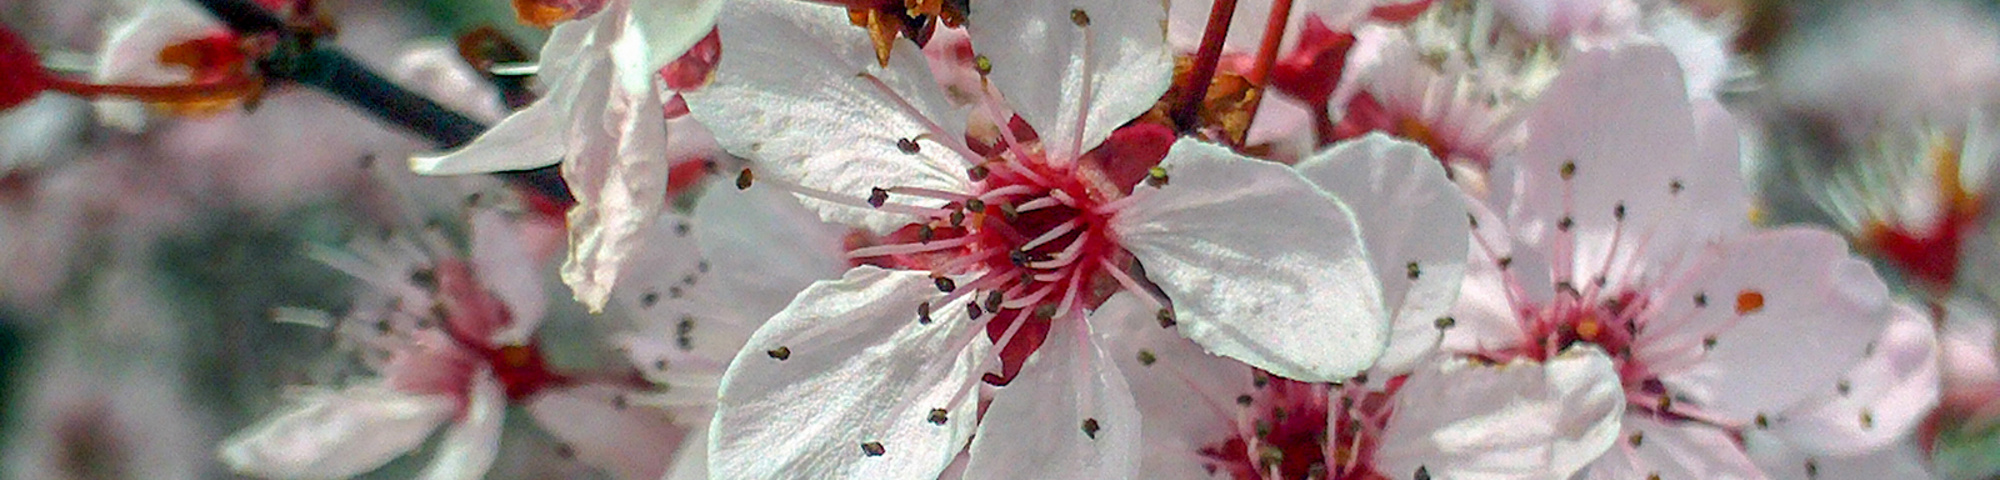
[744,179]
[975,205]
[957,218]
[1762,421]
[1423,473]
[1156,177]
[873,449]
[877,197]
[1675,187]
[1444,323]
[982,64]
[908,146]
[972,311]
[1700,299]
[993,300]
[780,353]
[924,313]
[938,416]
[1565,223]
[1147,358]
[1568,170]
[1090,428]
[1079,17]
[684,333]
[1413,270]
[1618,211]
[977,173]
[649,299]
[1019,258]
[1244,400]
[1505,262]
[1637,439]
[1166,318]
[1010,211]
[925,233]
[944,284]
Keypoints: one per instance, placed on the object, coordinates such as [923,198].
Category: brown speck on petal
[873,449]
[780,353]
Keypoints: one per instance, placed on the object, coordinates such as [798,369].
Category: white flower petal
[1414,224]
[1185,396]
[795,92]
[1221,239]
[1789,312]
[1611,167]
[690,460]
[1068,414]
[848,368]
[325,433]
[1903,459]
[1677,450]
[1877,402]
[534,136]
[655,32]
[763,247]
[1461,419]
[435,69]
[501,260]
[472,442]
[1053,69]
[607,432]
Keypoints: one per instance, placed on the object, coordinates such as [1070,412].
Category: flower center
[1283,433]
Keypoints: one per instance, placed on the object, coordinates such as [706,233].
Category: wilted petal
[797,92]
[1068,415]
[1462,419]
[1261,265]
[326,433]
[618,174]
[1053,59]
[844,384]
[1414,224]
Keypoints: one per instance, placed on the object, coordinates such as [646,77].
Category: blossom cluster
[1006,239]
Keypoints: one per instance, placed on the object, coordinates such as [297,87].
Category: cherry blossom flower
[874,374]
[1623,225]
[603,118]
[452,340]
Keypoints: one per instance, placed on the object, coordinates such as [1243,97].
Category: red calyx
[694,68]
[1312,70]
[1930,256]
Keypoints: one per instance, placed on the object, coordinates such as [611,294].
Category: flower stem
[329,70]
[1187,110]
[1267,55]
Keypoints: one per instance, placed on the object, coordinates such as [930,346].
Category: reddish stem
[233,88]
[1267,55]
[1188,108]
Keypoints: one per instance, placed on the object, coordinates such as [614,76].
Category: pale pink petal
[1903,459]
[617,172]
[690,460]
[473,441]
[325,433]
[606,431]
[1877,402]
[1788,312]
[1075,69]
[763,247]
[1068,415]
[1414,224]
[846,381]
[1672,449]
[1463,419]
[796,91]
[1261,266]
[502,264]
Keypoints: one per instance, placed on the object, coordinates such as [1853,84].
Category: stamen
[1063,258]
[909,248]
[937,133]
[1053,234]
[1036,204]
[1132,285]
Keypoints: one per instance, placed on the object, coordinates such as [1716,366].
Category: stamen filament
[909,248]
[938,134]
[1052,234]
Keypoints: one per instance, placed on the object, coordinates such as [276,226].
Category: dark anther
[972,311]
[1505,262]
[649,299]
[743,180]
[1020,258]
[908,146]
[1156,177]
[1708,343]
[1618,212]
[977,173]
[1079,17]
[975,205]
[1472,219]
[944,284]
[1010,211]
[873,449]
[1147,358]
[1445,323]
[925,233]
[877,197]
[701,266]
[424,278]
[675,292]
[982,64]
[1637,439]
[1413,271]
[993,299]
[1568,170]
[1867,419]
[681,229]
[1700,299]
[957,218]
[1244,400]
[1843,387]
[780,353]
[1423,473]
[1565,223]
[938,416]
[1762,421]
[1166,317]
[1675,187]
[1090,428]
[684,333]
[924,313]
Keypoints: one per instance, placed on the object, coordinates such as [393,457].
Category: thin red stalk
[1188,108]
[1267,54]
[157,93]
